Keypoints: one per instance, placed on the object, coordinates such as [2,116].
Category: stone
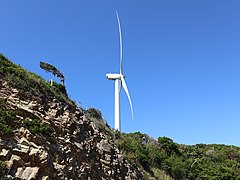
[108,157]
[105,161]
[5,155]
[31,173]
[24,107]
[33,105]
[39,140]
[68,140]
[24,102]
[80,146]
[19,172]
[53,112]
[34,152]
[32,144]
[104,145]
[15,160]
[58,167]
[28,173]
[24,141]
[66,113]
[25,132]
[9,177]
[43,155]
[21,150]
[45,178]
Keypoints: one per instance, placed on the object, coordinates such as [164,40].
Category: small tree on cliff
[50,68]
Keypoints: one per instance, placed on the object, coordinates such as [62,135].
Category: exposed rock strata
[75,149]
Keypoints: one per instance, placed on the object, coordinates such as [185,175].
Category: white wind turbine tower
[119,83]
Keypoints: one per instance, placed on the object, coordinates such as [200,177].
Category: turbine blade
[120,41]
[124,85]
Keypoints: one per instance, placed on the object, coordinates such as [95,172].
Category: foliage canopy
[199,161]
[50,68]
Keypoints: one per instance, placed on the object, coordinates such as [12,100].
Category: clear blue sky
[181,60]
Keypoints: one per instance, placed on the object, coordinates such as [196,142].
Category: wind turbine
[119,83]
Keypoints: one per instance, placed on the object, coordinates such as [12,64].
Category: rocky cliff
[50,138]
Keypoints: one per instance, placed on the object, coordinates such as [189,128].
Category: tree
[50,68]
[168,145]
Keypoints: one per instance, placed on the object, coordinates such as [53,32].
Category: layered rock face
[76,147]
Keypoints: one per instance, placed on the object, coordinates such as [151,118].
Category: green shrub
[60,88]
[7,118]
[134,146]
[35,127]
[2,169]
[180,161]
[5,129]
[3,104]
[168,145]
[94,113]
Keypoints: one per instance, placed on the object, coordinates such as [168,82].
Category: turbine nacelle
[114,76]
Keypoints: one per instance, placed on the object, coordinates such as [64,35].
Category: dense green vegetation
[59,88]
[36,127]
[94,113]
[199,161]
[7,119]
[29,83]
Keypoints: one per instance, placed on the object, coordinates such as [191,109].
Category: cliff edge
[44,135]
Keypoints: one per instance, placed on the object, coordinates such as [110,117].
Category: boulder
[27,173]
[14,160]
[21,149]
[24,141]
[5,155]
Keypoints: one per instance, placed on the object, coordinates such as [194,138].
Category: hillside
[162,157]
[44,135]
